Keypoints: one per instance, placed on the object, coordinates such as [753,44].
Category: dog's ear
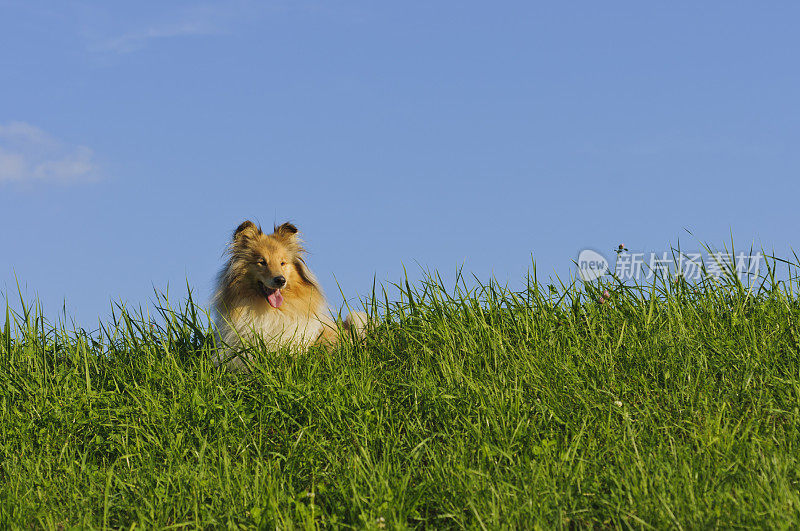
[246,230]
[305,273]
[287,230]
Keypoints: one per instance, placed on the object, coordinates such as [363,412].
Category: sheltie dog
[266,290]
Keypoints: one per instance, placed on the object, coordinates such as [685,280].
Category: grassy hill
[667,405]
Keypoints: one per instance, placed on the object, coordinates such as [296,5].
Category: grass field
[670,406]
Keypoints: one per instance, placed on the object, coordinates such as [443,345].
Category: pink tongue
[275,298]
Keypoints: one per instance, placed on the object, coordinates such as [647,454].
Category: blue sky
[135,136]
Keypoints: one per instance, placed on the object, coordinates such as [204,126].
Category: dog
[265,289]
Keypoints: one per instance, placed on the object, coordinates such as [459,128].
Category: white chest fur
[275,329]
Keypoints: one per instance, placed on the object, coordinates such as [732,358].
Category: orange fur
[250,300]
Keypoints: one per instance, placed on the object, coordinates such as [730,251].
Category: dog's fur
[252,300]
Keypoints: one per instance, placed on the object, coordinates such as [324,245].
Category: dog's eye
[283,263]
[262,262]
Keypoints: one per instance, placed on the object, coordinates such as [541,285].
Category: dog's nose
[279,281]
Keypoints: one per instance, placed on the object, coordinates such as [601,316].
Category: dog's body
[267,290]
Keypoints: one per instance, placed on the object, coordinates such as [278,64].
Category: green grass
[670,406]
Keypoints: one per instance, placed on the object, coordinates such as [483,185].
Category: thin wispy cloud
[196,21]
[138,39]
[29,154]
[106,32]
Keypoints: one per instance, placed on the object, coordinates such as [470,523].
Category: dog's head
[269,265]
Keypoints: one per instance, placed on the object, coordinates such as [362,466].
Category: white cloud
[29,154]
[138,39]
[108,32]
[197,20]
